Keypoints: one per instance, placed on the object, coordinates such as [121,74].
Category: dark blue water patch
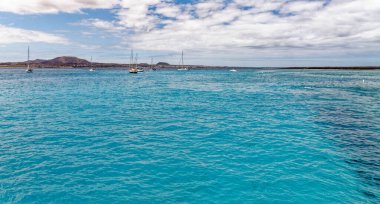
[369,194]
[349,116]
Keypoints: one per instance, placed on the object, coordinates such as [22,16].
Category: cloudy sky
[214,32]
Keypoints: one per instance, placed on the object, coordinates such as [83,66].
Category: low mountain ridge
[67,60]
[62,61]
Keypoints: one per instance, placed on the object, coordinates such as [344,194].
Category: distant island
[75,62]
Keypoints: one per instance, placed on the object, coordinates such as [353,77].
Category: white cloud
[251,26]
[53,6]
[168,10]
[297,7]
[101,24]
[10,35]
[136,14]
[207,8]
[247,24]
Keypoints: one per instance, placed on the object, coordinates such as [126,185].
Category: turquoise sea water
[254,136]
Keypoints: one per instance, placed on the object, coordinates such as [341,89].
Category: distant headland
[75,62]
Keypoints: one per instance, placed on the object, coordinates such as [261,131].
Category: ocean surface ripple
[252,136]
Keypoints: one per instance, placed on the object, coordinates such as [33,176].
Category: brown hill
[66,60]
[36,61]
[59,62]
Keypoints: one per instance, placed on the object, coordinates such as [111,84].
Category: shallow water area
[214,136]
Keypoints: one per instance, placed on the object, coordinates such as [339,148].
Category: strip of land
[74,62]
[344,67]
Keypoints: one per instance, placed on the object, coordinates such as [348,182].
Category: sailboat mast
[182,59]
[91,62]
[131,59]
[28,57]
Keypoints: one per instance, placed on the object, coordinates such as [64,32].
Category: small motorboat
[233,70]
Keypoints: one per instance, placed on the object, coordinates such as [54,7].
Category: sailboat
[181,65]
[91,69]
[139,69]
[152,65]
[132,66]
[28,68]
